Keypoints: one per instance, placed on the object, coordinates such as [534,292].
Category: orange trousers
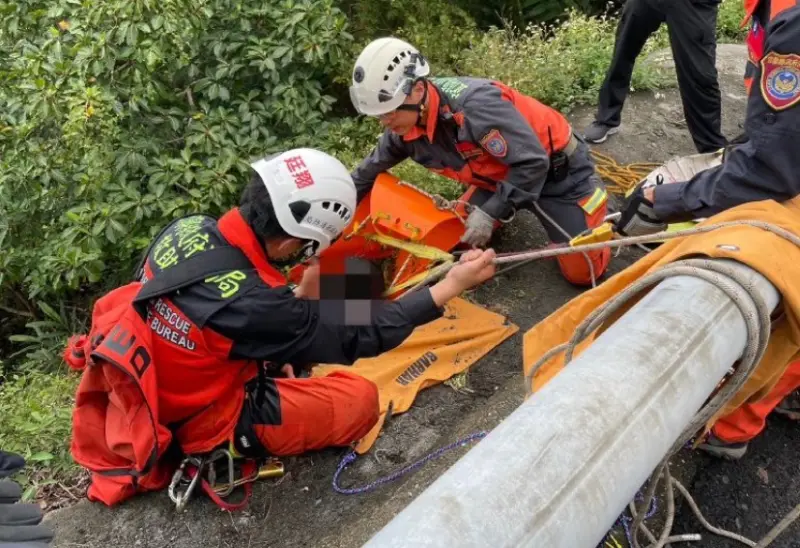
[749,420]
[572,216]
[283,417]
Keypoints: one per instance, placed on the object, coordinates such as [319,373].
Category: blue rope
[351,456]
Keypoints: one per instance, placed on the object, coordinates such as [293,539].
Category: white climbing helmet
[312,193]
[383,75]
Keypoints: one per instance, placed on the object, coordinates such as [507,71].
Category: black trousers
[692,33]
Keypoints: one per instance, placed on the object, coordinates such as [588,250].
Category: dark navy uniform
[765,166]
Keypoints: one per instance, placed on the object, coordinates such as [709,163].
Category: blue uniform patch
[780,80]
[495,144]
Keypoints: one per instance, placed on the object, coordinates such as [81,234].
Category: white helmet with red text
[312,193]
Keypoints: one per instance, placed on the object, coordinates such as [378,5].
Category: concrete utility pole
[562,467]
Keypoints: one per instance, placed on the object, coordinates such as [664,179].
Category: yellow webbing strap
[418,250]
[433,272]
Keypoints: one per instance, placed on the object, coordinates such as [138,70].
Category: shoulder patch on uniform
[495,143]
[780,80]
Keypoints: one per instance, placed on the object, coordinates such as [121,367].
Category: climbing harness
[205,471]
[351,456]
[758,321]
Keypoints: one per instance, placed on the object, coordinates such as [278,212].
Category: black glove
[19,522]
[638,216]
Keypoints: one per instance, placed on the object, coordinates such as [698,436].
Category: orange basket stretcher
[402,227]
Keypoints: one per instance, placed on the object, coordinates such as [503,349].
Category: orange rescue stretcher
[405,230]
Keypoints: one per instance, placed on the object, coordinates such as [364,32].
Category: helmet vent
[299,210]
[337,207]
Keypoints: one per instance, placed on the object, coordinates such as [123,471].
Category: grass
[37,412]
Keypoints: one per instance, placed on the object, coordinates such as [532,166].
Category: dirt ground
[303,510]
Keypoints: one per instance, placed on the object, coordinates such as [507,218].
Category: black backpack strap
[192,270]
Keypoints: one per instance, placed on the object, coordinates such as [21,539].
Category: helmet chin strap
[419,108]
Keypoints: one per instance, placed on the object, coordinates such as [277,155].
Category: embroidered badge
[495,144]
[780,80]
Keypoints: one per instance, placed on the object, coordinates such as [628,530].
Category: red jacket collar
[239,234]
[433,116]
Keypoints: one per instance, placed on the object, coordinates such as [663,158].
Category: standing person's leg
[283,417]
[731,434]
[638,21]
[692,28]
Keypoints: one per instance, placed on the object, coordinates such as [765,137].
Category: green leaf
[110,234]
[41,457]
[49,312]
[280,51]
[23,338]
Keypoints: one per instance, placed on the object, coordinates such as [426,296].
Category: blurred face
[401,121]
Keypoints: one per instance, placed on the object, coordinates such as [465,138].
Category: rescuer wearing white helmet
[225,331]
[511,150]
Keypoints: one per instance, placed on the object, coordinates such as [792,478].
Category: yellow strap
[602,233]
[421,251]
[418,250]
[414,280]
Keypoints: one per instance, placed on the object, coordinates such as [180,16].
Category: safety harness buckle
[206,471]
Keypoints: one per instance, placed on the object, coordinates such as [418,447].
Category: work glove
[638,217]
[479,228]
[19,522]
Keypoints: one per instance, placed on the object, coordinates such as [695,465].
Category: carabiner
[227,489]
[181,499]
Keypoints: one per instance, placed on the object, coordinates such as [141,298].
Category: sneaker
[790,406]
[718,448]
[597,132]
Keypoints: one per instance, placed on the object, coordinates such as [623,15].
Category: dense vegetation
[118,115]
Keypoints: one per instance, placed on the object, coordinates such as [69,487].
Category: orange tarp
[771,255]
[432,354]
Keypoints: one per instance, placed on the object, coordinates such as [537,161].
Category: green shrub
[561,67]
[37,420]
[521,12]
[116,116]
[43,344]
[439,28]
[729,20]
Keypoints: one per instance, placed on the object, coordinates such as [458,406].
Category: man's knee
[357,407]
[583,268]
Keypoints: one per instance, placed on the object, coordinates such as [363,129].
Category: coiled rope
[620,178]
[757,320]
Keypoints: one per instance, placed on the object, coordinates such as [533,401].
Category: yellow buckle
[602,233]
